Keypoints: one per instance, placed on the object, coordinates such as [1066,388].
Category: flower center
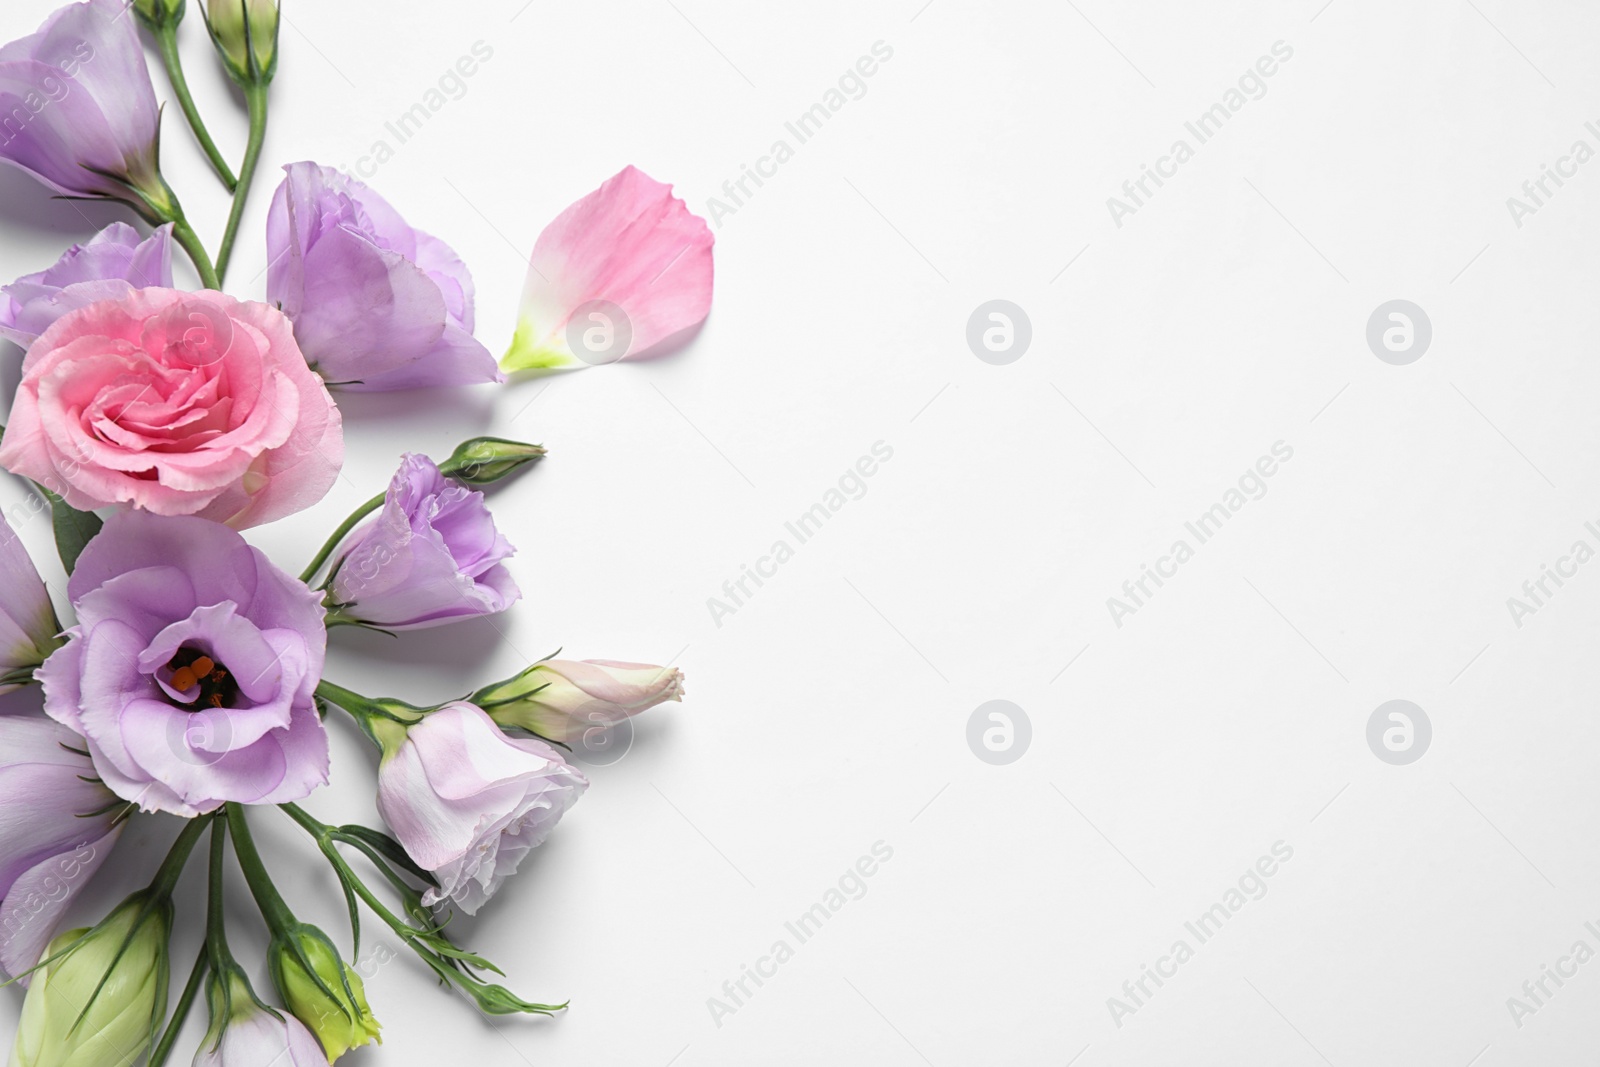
[193,670]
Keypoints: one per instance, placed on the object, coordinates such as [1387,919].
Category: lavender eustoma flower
[432,556]
[77,110]
[377,305]
[468,802]
[192,668]
[58,831]
[113,263]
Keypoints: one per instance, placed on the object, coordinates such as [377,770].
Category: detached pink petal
[615,274]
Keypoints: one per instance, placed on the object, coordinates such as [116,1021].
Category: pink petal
[631,244]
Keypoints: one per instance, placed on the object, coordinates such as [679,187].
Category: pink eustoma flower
[114,263]
[192,668]
[431,556]
[377,304]
[58,829]
[176,403]
[614,275]
[77,110]
[468,802]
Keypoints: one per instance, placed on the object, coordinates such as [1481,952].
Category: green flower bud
[484,460]
[157,14]
[246,35]
[99,1002]
[321,990]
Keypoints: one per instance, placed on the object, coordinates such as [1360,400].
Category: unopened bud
[159,14]
[99,1000]
[321,990]
[484,460]
[246,35]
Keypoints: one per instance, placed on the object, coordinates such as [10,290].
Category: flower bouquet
[154,424]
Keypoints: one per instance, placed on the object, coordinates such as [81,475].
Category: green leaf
[74,529]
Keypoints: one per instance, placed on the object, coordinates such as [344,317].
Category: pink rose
[177,403]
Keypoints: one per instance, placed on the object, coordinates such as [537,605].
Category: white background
[830,711]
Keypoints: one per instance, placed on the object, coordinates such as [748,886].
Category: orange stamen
[183,679]
[202,666]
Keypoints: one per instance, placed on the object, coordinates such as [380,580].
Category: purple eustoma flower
[433,555]
[376,304]
[192,667]
[58,830]
[77,110]
[113,263]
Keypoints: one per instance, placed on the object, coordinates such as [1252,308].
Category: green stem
[159,1054]
[339,535]
[385,722]
[273,909]
[216,936]
[323,834]
[255,97]
[352,702]
[185,235]
[166,878]
[447,961]
[167,42]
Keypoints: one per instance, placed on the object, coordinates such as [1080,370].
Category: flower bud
[563,700]
[98,1004]
[484,460]
[159,14]
[321,990]
[246,35]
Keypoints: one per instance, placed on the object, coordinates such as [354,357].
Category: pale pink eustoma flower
[468,802]
[614,275]
[245,1034]
[567,700]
